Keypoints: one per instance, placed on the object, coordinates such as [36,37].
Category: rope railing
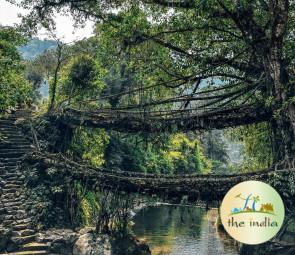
[60,158]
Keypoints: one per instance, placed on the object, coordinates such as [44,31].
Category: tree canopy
[14,88]
[196,55]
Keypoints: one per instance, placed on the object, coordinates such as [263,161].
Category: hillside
[36,47]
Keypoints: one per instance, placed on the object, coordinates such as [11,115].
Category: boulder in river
[89,244]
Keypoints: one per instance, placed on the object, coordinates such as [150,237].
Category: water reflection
[179,230]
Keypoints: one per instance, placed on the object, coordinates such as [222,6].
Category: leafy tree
[34,74]
[244,48]
[174,154]
[257,146]
[89,145]
[125,153]
[186,155]
[216,150]
[80,79]
[15,90]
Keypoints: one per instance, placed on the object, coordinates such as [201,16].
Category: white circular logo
[252,212]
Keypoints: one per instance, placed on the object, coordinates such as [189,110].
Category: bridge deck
[192,187]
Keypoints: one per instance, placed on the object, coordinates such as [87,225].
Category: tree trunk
[55,78]
[53,92]
[283,121]
[283,136]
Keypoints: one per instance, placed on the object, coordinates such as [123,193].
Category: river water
[180,230]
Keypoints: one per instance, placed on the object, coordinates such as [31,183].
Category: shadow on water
[179,230]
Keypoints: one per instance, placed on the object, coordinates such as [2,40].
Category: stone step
[15,141]
[14,118]
[14,199]
[11,134]
[15,154]
[21,226]
[19,114]
[7,204]
[12,186]
[8,142]
[14,145]
[24,239]
[11,175]
[8,150]
[6,122]
[11,163]
[10,195]
[7,222]
[35,247]
[5,163]
[14,182]
[24,152]
[8,217]
[16,217]
[30,252]
[16,212]
[23,233]
[14,179]
[11,129]
[24,221]
[12,169]
[15,207]
[17,146]
[6,189]
[10,190]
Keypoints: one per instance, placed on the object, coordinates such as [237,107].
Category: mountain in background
[36,47]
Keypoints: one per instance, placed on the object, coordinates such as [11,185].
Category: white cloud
[64,24]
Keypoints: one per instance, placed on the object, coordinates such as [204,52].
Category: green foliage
[257,145]
[107,211]
[186,155]
[177,43]
[215,148]
[81,78]
[34,75]
[14,88]
[174,154]
[89,144]
[125,153]
[88,207]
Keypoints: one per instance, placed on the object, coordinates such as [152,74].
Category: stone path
[13,215]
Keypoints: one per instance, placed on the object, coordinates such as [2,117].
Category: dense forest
[237,149]
[161,88]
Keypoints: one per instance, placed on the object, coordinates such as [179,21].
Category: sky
[65,29]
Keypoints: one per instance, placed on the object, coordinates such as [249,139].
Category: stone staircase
[13,215]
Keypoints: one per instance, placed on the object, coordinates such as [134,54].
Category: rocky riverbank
[87,242]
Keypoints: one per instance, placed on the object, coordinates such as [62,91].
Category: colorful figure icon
[264,208]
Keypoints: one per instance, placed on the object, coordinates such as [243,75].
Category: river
[182,230]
